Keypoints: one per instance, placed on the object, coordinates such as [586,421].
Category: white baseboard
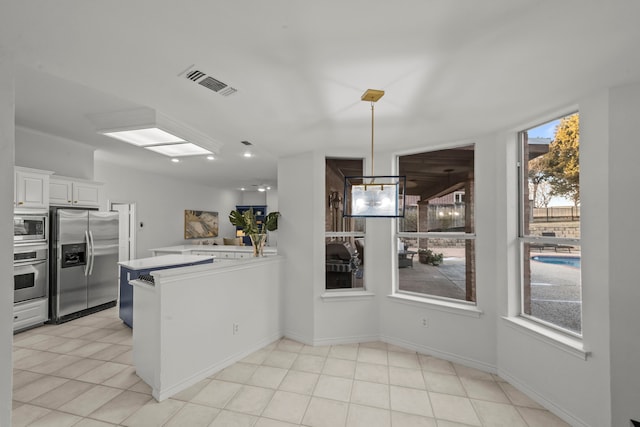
[451,357]
[542,400]
[166,392]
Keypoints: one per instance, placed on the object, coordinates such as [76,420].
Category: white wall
[161,202]
[63,156]
[7,144]
[624,235]
[252,198]
[297,241]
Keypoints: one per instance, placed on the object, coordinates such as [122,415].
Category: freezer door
[71,296]
[71,225]
[103,271]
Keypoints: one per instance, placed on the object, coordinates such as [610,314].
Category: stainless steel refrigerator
[84,262]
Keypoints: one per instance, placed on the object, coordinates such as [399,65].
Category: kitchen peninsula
[219,251]
[191,322]
[132,269]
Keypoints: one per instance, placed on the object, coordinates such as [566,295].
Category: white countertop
[212,248]
[162,261]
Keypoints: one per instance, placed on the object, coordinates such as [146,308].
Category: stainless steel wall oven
[30,269]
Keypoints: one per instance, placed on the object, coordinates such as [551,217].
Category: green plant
[427,256]
[247,222]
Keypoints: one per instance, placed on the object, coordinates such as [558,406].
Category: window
[550,224]
[436,240]
[344,237]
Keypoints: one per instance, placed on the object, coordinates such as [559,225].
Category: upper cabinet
[32,188]
[69,192]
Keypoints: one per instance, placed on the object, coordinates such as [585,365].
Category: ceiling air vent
[209,82]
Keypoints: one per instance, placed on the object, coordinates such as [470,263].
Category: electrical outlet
[236,329]
[424,322]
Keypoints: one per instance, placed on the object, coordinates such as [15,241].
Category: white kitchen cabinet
[32,188]
[60,192]
[226,255]
[29,313]
[244,254]
[85,194]
[65,192]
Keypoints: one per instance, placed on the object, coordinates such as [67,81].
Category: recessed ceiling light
[175,160]
[242,189]
[268,188]
[210,158]
[146,136]
[247,154]
[186,149]
[261,189]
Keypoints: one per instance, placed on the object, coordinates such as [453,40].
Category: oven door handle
[92,253]
[30,268]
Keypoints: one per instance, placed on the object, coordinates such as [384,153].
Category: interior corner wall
[300,230]
[624,232]
[7,147]
[63,156]
[161,202]
[573,388]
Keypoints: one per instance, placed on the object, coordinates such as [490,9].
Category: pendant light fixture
[374,195]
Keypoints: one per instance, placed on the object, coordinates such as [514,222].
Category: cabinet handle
[21,203]
[15,317]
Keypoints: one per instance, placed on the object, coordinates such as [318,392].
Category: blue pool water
[571,261]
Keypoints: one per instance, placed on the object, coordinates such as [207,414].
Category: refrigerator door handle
[88,260]
[93,253]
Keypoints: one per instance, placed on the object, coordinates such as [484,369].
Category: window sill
[573,346]
[346,295]
[446,306]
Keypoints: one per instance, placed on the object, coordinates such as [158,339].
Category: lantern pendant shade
[374,196]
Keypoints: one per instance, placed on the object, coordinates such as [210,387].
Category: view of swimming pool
[571,261]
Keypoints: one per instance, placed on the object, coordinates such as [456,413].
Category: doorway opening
[127,221]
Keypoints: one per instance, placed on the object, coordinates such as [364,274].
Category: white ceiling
[452,70]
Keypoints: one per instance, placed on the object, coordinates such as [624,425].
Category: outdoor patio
[555,289]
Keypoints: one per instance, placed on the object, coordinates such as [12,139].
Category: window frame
[540,326]
[353,293]
[449,304]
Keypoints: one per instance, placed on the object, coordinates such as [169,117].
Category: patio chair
[555,246]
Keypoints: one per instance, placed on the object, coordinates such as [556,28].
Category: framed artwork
[200,224]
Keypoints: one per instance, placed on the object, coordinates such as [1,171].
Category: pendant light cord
[372,139]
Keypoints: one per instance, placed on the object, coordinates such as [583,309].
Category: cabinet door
[60,192]
[29,314]
[32,190]
[208,253]
[86,194]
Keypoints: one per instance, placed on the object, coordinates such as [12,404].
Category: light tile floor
[81,374]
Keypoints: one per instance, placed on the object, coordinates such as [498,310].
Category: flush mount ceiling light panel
[144,127]
[145,136]
[374,196]
[179,150]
